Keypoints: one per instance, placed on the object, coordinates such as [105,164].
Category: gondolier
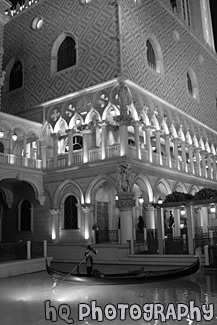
[89,259]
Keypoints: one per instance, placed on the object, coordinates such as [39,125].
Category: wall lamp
[212,208]
[85,2]
[116,197]
[1,133]
[141,200]
[14,137]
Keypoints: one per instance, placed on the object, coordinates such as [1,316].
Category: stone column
[1,216]
[184,161]
[44,156]
[158,146]
[125,203]
[204,212]
[176,228]
[124,149]
[79,206]
[70,144]
[149,217]
[203,156]
[160,230]
[190,229]
[136,125]
[88,220]
[214,166]
[148,145]
[104,139]
[55,137]
[191,158]
[197,155]
[86,145]
[176,153]
[167,147]
[25,160]
[55,224]
[209,162]
[11,143]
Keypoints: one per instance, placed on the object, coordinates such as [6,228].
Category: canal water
[31,299]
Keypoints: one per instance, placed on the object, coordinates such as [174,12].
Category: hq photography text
[135,312]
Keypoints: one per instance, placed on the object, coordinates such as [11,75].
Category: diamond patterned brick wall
[94,27]
[152,18]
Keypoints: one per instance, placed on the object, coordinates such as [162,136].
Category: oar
[70,272]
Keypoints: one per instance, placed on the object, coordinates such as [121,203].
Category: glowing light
[1,134]
[141,200]
[182,211]
[86,235]
[53,234]
[212,208]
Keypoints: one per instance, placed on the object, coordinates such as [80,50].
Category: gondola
[134,277]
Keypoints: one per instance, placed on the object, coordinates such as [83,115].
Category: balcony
[20,161]
[95,155]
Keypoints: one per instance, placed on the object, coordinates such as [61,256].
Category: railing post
[45,248]
[132,246]
[28,250]
[206,255]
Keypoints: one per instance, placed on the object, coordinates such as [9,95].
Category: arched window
[25,216]
[192,84]
[77,142]
[16,76]
[66,54]
[189,84]
[1,147]
[151,58]
[70,213]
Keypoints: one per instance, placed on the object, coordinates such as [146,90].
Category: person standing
[89,259]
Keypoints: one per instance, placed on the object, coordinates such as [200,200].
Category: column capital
[149,207]
[87,207]
[103,123]
[125,201]
[70,131]
[136,123]
[55,135]
[54,211]
[147,128]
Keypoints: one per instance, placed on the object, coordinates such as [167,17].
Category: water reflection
[22,298]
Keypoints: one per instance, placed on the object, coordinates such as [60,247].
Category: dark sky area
[213,7]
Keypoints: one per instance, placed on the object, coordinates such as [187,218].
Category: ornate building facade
[105,103]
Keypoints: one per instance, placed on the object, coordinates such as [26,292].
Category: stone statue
[124,178]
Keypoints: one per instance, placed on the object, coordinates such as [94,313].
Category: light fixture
[14,137]
[160,201]
[182,211]
[141,200]
[212,208]
[1,133]
[116,196]
[84,2]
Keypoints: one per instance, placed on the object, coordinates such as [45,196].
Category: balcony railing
[14,160]
[22,250]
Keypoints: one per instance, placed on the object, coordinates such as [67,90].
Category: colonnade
[173,152]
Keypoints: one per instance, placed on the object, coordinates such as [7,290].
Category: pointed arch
[95,182]
[143,183]
[64,48]
[91,115]
[181,186]
[59,193]
[161,182]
